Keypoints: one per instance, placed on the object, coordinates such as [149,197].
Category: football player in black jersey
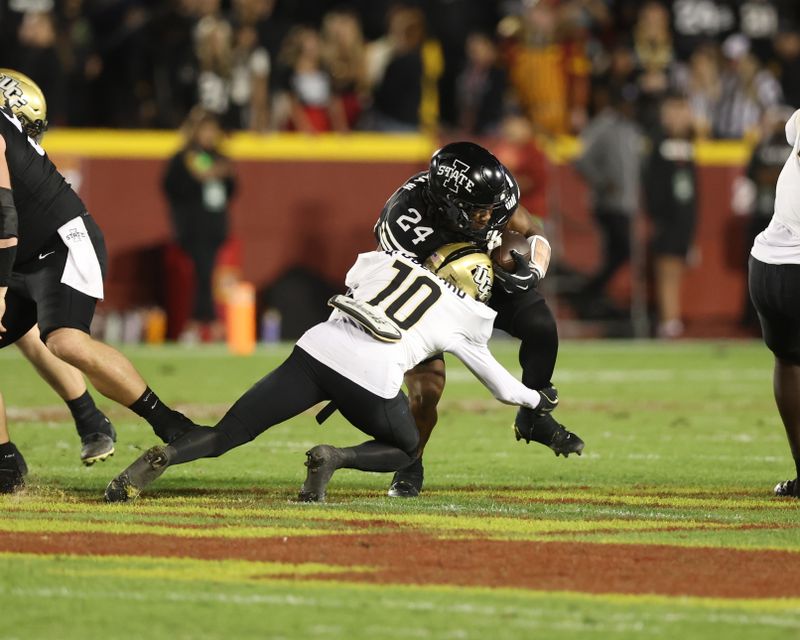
[468,195]
[52,262]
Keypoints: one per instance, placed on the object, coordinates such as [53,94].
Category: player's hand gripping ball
[510,241]
[512,263]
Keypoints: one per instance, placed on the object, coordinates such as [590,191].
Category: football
[501,254]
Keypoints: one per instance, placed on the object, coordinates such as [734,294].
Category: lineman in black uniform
[468,195]
[52,260]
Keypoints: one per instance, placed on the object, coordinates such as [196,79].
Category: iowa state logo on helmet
[456,176]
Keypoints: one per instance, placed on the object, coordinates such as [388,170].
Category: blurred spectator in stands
[344,52]
[517,150]
[546,73]
[214,51]
[480,88]
[700,81]
[173,63]
[403,69]
[452,22]
[198,184]
[652,45]
[759,21]
[670,190]
[747,91]
[696,22]
[121,93]
[81,63]
[37,56]
[787,63]
[312,106]
[610,163]
[250,69]
[619,78]
[753,193]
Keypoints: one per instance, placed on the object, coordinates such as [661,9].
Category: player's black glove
[525,422]
[548,400]
[521,280]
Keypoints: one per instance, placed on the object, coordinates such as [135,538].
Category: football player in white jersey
[774,278]
[396,313]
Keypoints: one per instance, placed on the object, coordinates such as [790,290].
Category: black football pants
[296,385]
[526,316]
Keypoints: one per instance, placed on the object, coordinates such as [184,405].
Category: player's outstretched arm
[504,387]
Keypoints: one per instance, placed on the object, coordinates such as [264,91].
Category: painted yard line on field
[125,528]
[461,528]
[529,616]
[204,505]
[57,562]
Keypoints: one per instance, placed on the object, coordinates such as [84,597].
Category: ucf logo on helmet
[456,176]
[11,90]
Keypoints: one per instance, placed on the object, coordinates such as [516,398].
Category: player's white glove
[540,256]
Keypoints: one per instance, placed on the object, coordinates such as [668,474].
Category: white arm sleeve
[505,387]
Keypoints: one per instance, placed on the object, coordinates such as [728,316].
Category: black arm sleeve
[9,225]
[7,257]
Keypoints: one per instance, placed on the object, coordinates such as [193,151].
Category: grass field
[665,527]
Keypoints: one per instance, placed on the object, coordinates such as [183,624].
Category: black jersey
[409,222]
[43,199]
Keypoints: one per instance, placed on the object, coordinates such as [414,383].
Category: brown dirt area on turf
[407,557]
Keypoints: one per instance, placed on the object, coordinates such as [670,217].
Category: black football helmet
[465,178]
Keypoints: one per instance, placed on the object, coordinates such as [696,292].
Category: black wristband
[7,255]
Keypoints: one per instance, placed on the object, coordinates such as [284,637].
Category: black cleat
[96,447]
[321,461]
[788,489]
[13,470]
[543,428]
[144,470]
[565,442]
[407,483]
[405,489]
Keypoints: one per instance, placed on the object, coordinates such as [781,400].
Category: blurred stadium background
[329,106]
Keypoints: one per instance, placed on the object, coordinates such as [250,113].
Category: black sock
[82,407]
[167,423]
[7,448]
[88,418]
[797,467]
[413,469]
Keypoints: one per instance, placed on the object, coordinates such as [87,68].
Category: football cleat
[144,470]
[96,447]
[13,470]
[544,429]
[788,489]
[321,461]
[565,442]
[407,483]
[404,489]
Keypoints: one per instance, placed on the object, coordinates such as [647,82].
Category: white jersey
[433,317]
[779,243]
